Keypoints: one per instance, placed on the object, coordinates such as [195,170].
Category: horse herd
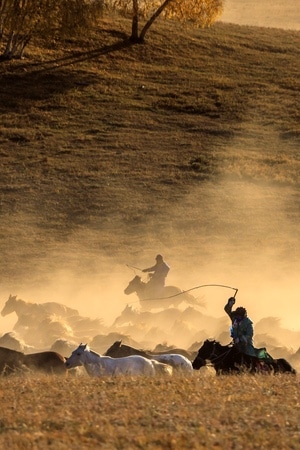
[120,358]
[125,360]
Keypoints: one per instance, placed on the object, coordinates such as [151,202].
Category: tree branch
[153,18]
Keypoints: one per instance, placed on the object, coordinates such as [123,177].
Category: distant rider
[158,274]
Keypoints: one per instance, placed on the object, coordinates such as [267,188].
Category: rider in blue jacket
[241,331]
[241,328]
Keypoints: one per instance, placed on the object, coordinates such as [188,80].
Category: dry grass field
[202,412]
[187,146]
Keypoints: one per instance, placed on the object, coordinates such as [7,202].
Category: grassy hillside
[187,145]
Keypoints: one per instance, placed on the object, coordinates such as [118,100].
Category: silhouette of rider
[158,274]
[241,331]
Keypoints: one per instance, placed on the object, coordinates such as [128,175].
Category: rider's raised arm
[228,306]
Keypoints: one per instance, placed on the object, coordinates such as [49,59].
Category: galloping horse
[179,362]
[97,365]
[20,307]
[169,296]
[227,359]
[40,324]
[10,361]
[47,362]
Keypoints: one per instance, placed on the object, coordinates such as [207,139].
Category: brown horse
[47,362]
[118,349]
[36,310]
[12,361]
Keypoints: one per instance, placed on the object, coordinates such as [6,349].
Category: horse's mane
[13,298]
[133,348]
[93,352]
[118,344]
[218,344]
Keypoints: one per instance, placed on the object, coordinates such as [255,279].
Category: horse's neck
[92,357]
[220,349]
[133,351]
[22,307]
[128,315]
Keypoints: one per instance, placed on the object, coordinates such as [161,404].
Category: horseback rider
[241,331]
[158,274]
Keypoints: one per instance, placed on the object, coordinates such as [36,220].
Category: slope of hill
[187,145]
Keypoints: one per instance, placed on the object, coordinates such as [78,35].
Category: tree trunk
[152,19]
[135,22]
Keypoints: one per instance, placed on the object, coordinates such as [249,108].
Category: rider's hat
[159,258]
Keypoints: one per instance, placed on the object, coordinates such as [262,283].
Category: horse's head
[198,363]
[9,306]
[77,357]
[205,352]
[134,285]
[127,315]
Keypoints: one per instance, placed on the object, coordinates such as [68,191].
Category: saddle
[262,354]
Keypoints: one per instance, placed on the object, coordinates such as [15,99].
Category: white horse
[180,363]
[97,365]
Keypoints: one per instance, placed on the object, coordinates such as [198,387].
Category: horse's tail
[285,366]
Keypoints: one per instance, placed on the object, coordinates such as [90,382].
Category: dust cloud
[230,234]
[233,234]
[94,295]
[247,242]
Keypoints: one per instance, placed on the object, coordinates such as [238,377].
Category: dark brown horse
[119,349]
[226,359]
[47,362]
[12,361]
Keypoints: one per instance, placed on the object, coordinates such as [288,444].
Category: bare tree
[18,21]
[199,12]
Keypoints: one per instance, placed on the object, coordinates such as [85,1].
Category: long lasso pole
[133,267]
